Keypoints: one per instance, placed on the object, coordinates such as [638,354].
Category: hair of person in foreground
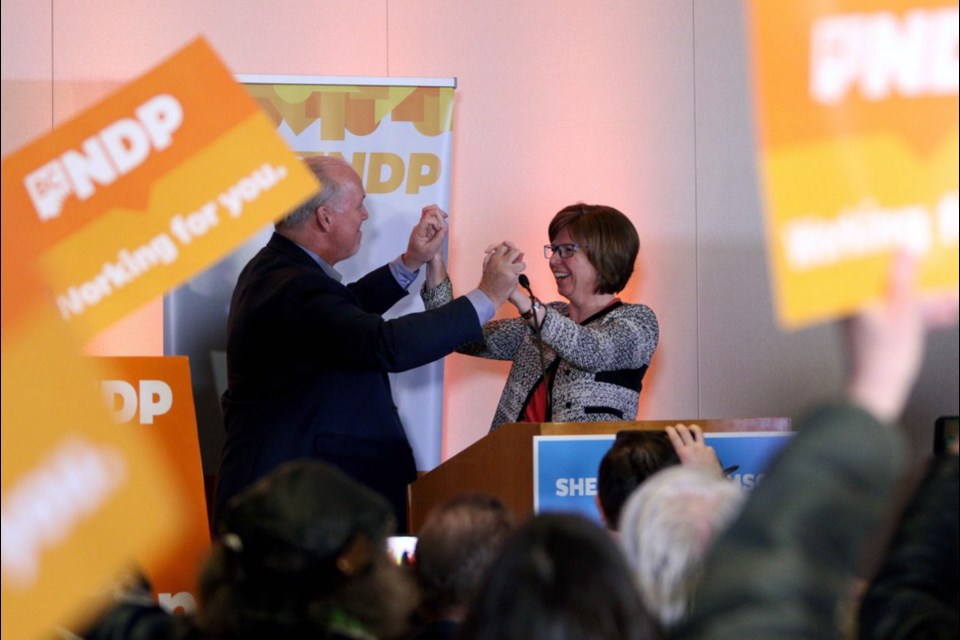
[303,553]
[666,529]
[558,577]
[633,457]
[455,546]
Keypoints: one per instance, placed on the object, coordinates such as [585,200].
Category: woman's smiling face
[576,277]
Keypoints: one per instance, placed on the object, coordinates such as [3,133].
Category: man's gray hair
[667,527]
[321,167]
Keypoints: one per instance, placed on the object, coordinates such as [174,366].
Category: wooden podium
[502,462]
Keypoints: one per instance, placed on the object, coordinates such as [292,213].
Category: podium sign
[520,463]
[565,467]
[565,473]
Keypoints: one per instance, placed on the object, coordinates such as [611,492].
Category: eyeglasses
[565,250]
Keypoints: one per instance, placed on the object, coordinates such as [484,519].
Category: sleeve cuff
[482,305]
[401,274]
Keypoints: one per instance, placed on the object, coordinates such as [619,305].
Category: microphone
[525,283]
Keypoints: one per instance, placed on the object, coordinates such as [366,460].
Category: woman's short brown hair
[608,238]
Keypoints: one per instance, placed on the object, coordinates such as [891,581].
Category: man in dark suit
[308,357]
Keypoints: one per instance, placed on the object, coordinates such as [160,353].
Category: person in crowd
[308,357]
[915,594]
[786,562]
[455,546]
[637,455]
[666,528]
[303,554]
[300,554]
[558,577]
[130,613]
[633,457]
[581,360]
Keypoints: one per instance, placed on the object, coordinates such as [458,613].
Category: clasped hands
[502,265]
[426,239]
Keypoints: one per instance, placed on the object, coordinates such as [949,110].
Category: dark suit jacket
[307,361]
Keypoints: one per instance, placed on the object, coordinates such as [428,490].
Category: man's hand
[691,448]
[502,267]
[426,239]
[885,342]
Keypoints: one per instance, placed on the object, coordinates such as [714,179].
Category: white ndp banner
[397,134]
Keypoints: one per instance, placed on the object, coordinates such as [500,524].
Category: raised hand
[502,266]
[885,341]
[691,448]
[426,239]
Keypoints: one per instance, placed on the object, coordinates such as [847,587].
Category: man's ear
[322,216]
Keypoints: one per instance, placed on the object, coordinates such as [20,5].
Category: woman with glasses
[582,360]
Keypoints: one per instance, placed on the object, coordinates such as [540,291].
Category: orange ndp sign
[106,212]
[82,498]
[857,114]
[142,191]
[155,397]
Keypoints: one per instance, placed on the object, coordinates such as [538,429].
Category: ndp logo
[883,55]
[115,151]
[149,399]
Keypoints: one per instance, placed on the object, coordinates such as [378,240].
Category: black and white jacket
[598,364]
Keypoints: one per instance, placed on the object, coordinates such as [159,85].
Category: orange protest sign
[106,212]
[857,115]
[148,187]
[82,499]
[154,396]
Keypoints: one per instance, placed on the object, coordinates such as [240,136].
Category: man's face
[347,214]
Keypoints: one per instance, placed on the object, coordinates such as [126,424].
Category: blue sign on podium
[565,467]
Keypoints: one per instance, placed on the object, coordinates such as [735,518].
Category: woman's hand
[520,300]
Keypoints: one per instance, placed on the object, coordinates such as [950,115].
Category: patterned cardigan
[598,364]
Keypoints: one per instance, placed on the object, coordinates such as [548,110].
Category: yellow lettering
[424,171]
[376,183]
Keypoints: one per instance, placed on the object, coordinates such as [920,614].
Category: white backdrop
[195,315]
